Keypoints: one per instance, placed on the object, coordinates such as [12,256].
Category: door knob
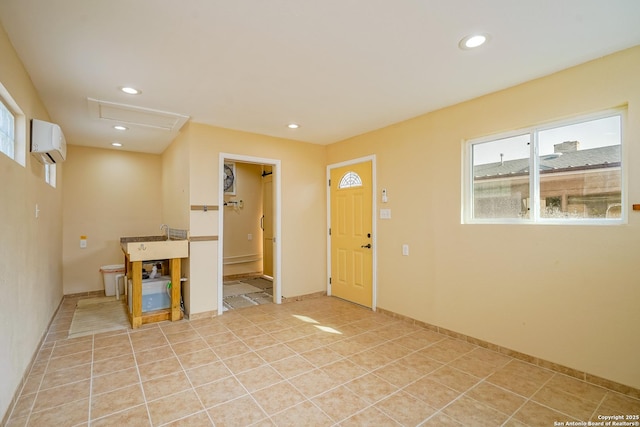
[368,245]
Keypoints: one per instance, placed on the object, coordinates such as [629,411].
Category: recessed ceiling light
[116,144]
[293,126]
[120,127]
[472,41]
[130,90]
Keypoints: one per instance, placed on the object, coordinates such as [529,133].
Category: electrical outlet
[83,242]
[385,213]
[249,236]
[405,250]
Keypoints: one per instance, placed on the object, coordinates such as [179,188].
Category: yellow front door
[351,240]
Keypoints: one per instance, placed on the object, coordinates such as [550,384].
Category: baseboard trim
[304,297]
[27,371]
[204,315]
[580,375]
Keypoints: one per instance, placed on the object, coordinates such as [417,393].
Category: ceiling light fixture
[293,126]
[130,90]
[472,41]
[116,144]
[120,127]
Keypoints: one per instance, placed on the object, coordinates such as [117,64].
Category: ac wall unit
[47,142]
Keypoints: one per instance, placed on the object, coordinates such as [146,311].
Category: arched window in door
[349,180]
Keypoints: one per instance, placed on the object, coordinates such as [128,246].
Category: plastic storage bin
[154,294]
[109,273]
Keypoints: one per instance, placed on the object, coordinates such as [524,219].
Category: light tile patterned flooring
[319,362]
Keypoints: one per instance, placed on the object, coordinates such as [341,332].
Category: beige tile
[201,419]
[103,353]
[220,391]
[289,334]
[522,385]
[371,388]
[372,417]
[248,332]
[148,342]
[496,397]
[69,414]
[207,373]
[340,403]
[60,395]
[277,398]
[116,401]
[111,365]
[211,329]
[23,405]
[577,388]
[163,386]
[244,362]
[259,378]
[398,373]
[490,357]
[176,327]
[419,340]
[198,358]
[231,350]
[275,353]
[441,420]
[174,407]
[65,350]
[447,350]
[343,370]
[420,363]
[154,355]
[65,376]
[152,370]
[190,346]
[454,378]
[239,412]
[321,356]
[615,403]
[260,341]
[431,392]
[569,404]
[106,340]
[292,366]
[405,409]
[114,380]
[303,414]
[534,414]
[392,351]
[132,417]
[182,336]
[314,383]
[470,412]
[473,366]
[17,421]
[69,361]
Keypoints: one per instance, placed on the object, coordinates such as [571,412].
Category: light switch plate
[385,213]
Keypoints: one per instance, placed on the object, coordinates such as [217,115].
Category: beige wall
[108,194]
[303,208]
[241,255]
[30,247]
[567,294]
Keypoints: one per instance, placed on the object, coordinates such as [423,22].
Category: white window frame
[534,175]
[19,127]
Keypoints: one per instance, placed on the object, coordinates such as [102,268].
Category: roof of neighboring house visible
[593,158]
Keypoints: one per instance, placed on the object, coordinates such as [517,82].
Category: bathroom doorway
[249,230]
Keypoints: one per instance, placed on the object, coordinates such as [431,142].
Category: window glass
[576,174]
[580,170]
[7,131]
[501,178]
[350,179]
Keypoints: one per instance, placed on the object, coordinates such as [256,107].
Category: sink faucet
[165,227]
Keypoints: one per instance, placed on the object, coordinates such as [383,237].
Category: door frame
[277,211]
[374,265]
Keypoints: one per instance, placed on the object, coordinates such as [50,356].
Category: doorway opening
[249,232]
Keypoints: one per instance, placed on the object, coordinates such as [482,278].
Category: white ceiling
[339,68]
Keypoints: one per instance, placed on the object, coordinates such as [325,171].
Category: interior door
[267,225]
[351,240]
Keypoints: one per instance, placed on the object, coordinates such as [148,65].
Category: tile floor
[319,362]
